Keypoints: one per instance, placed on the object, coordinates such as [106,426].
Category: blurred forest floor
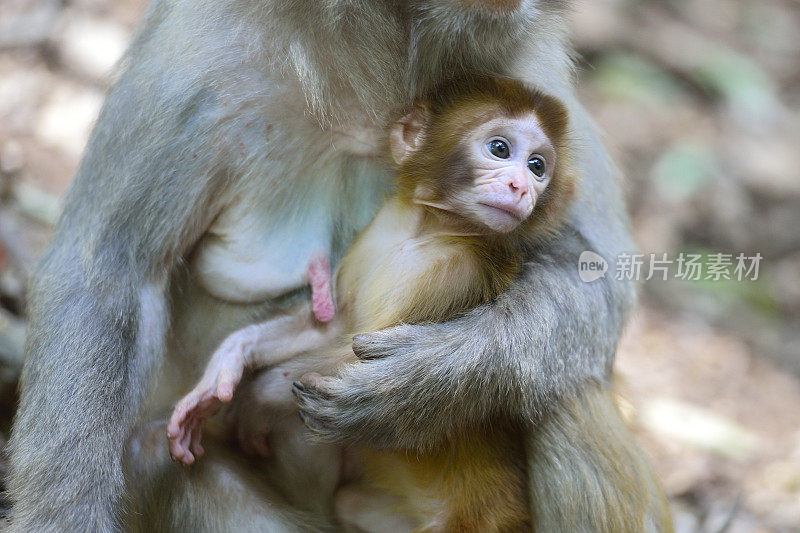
[699,101]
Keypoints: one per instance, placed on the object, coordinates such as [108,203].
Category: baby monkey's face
[484,167]
[510,162]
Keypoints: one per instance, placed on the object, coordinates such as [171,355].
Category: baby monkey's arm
[260,345]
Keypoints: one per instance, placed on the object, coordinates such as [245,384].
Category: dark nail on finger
[302,416]
[299,386]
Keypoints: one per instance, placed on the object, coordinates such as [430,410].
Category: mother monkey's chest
[259,247]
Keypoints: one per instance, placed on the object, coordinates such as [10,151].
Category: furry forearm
[511,357]
[514,355]
[81,389]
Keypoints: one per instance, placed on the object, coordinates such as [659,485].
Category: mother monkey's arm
[514,356]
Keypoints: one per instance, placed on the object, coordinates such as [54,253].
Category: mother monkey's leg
[225,491]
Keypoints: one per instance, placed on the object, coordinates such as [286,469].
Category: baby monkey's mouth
[514,212]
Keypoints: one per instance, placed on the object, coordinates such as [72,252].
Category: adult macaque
[474,161]
[226,158]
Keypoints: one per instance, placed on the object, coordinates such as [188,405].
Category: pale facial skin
[512,161]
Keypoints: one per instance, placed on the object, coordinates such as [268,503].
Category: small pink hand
[185,428]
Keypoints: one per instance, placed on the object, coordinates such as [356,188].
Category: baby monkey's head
[489,153]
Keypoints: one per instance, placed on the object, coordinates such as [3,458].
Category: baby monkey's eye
[499,149]
[537,166]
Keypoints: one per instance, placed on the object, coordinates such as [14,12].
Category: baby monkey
[482,177]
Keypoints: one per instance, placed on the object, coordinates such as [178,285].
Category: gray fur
[106,342]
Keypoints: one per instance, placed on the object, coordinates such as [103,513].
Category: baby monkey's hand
[223,374]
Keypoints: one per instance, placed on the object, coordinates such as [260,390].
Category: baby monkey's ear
[407,134]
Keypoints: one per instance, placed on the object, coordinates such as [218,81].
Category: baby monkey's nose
[518,185]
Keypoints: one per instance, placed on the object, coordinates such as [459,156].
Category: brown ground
[699,98]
